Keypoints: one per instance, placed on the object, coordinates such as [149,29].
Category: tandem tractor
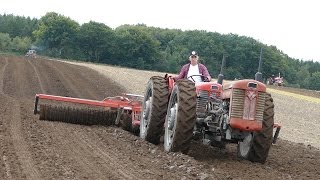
[215,113]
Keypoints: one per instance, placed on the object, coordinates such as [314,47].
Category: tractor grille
[260,106]
[237,103]
[202,101]
[238,100]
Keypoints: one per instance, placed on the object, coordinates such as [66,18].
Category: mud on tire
[154,109]
[262,140]
[181,117]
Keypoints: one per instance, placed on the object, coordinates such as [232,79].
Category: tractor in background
[31,53]
[275,80]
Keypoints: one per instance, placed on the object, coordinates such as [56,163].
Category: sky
[290,25]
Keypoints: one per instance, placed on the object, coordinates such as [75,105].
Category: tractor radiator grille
[260,106]
[237,103]
[238,100]
[202,101]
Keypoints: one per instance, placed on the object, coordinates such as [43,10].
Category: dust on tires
[181,117]
[154,109]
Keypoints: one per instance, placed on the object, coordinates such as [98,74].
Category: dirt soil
[35,149]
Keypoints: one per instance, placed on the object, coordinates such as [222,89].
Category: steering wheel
[204,78]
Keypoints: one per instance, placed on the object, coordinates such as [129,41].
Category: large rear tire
[262,140]
[154,109]
[181,117]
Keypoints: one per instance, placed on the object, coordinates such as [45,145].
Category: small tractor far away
[239,112]
[31,53]
[275,80]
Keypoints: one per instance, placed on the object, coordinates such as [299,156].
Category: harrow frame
[128,103]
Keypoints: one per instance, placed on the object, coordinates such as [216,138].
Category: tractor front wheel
[181,117]
[255,147]
[154,109]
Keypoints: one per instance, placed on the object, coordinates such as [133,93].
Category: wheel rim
[245,145]
[146,115]
[170,124]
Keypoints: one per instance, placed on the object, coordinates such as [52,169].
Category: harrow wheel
[256,147]
[154,109]
[181,117]
[126,123]
[86,116]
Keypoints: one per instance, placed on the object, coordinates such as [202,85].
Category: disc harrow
[123,110]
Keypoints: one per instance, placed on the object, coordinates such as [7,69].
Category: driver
[193,68]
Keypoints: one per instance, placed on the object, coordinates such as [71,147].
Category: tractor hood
[245,84]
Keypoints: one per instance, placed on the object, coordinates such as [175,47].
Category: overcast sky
[291,25]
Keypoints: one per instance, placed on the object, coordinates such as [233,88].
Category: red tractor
[277,81]
[239,112]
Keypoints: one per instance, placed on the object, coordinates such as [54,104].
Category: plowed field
[34,149]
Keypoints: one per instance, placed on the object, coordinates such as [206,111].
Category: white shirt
[194,70]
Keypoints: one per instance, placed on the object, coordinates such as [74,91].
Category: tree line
[151,48]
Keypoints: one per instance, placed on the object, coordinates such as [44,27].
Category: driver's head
[194,58]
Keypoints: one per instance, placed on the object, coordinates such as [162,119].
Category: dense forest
[142,47]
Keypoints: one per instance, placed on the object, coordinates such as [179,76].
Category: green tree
[17,25]
[95,40]
[58,34]
[21,44]
[136,48]
[314,81]
[303,76]
[5,42]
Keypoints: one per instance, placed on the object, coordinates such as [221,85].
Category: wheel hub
[171,124]
[146,114]
[244,146]
[172,117]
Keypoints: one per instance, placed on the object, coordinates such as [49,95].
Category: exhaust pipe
[220,76]
[258,76]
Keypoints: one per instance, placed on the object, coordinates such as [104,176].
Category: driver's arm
[204,71]
[183,72]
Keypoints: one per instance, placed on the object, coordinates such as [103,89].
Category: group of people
[194,70]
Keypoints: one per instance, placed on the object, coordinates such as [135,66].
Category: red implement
[128,103]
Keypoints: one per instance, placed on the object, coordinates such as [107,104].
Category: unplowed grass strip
[297,96]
